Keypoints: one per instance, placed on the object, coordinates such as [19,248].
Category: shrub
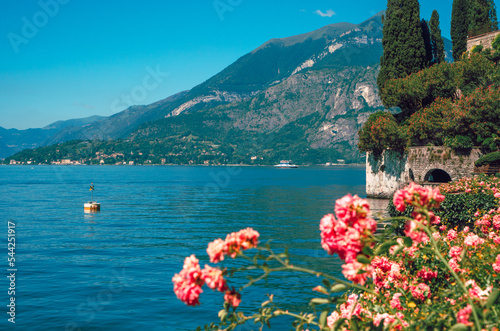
[477,49]
[381,132]
[491,158]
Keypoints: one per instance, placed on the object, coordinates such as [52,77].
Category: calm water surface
[112,270]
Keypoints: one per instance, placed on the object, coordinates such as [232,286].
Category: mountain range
[302,98]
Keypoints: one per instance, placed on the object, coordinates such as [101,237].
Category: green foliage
[399,218]
[437,42]
[381,131]
[457,210]
[431,125]
[476,49]
[495,44]
[459,27]
[404,50]
[426,36]
[491,158]
[482,17]
[419,90]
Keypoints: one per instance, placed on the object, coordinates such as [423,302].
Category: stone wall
[385,174]
[484,39]
[393,170]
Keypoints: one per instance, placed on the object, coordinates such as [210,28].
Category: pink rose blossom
[421,291]
[496,265]
[233,298]
[452,235]
[463,315]
[234,243]
[427,274]
[473,240]
[455,251]
[476,292]
[188,283]
[395,303]
[334,317]
[350,271]
[214,279]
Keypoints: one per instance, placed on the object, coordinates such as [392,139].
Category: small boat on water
[285,164]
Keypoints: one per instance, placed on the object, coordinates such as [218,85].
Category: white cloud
[329,13]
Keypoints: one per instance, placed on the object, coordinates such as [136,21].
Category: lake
[112,270]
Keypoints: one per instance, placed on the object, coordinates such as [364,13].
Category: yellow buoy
[91,206]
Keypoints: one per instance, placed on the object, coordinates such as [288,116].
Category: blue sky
[63,59]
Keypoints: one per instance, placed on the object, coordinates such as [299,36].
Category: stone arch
[437,176]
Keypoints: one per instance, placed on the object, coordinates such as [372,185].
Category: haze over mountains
[302,98]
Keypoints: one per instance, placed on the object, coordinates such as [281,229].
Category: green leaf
[326,282]
[459,327]
[381,249]
[492,298]
[338,288]
[367,251]
[319,301]
[322,318]
[363,259]
[408,241]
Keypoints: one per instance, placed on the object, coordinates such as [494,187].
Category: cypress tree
[437,41]
[459,27]
[404,50]
[426,36]
[482,17]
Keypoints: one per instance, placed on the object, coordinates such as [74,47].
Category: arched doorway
[437,176]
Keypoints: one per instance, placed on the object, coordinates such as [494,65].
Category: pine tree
[459,27]
[437,42]
[404,50]
[426,36]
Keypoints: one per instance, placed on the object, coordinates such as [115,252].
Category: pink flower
[334,317]
[497,195]
[454,264]
[387,318]
[350,209]
[233,298]
[496,265]
[395,303]
[473,240]
[455,251]
[188,283]
[452,235]
[351,229]
[234,243]
[463,315]
[214,279]
[351,272]
[476,292]
[427,274]
[351,307]
[417,196]
[421,291]
[187,292]
[216,250]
